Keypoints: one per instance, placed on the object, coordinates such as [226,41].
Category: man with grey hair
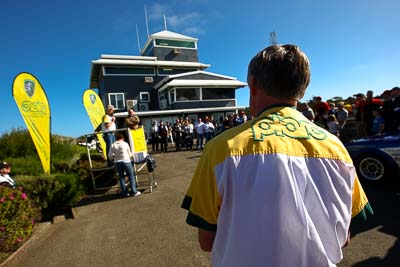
[341,114]
[277,190]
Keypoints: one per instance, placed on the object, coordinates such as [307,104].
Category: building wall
[167,53]
[131,86]
[200,76]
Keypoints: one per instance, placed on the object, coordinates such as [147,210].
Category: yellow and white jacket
[278,190]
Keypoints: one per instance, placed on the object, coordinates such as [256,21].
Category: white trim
[116,102]
[140,97]
[173,76]
[158,63]
[203,83]
[109,56]
[172,35]
[219,99]
[202,72]
[178,111]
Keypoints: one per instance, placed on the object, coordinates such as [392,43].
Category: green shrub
[53,194]
[17,217]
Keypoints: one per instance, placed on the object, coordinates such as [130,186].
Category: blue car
[377,157]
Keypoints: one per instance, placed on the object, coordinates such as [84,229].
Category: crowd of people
[373,115]
[190,134]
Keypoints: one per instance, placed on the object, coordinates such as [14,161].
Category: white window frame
[141,95]
[116,102]
[201,96]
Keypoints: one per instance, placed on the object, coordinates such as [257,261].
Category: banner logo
[92,98]
[29,87]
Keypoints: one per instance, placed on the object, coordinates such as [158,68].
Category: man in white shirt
[122,154]
[200,134]
[209,129]
[278,190]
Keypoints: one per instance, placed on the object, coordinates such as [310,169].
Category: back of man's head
[281,71]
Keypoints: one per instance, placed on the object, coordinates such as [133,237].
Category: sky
[353,46]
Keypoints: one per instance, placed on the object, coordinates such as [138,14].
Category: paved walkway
[149,230]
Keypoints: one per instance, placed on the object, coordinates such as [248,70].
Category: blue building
[164,83]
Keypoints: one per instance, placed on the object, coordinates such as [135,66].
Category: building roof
[168,35]
[122,60]
[172,35]
[172,81]
[204,83]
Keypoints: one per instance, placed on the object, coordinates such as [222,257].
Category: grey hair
[281,71]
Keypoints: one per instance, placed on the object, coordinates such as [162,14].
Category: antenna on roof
[165,22]
[147,24]
[137,36]
[272,38]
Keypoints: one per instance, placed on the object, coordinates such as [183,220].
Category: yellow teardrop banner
[32,102]
[95,110]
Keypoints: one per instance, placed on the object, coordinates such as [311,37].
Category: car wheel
[372,167]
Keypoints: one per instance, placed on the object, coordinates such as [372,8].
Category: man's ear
[252,85]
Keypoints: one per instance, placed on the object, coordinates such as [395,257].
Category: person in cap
[277,190]
[5,178]
[108,127]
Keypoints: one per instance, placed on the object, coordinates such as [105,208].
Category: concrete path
[149,230]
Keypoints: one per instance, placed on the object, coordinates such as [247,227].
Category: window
[149,50]
[169,71]
[172,96]
[128,71]
[187,94]
[175,43]
[217,93]
[144,97]
[117,100]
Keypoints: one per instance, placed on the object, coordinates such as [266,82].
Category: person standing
[188,129]
[199,133]
[209,129]
[341,114]
[155,137]
[278,190]
[242,118]
[177,133]
[132,121]
[108,127]
[121,152]
[5,178]
[163,133]
[307,111]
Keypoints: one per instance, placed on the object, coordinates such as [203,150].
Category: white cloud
[157,11]
[186,23]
